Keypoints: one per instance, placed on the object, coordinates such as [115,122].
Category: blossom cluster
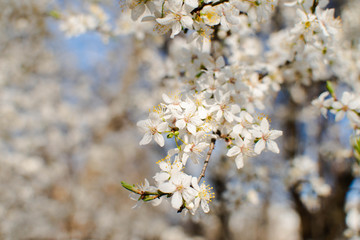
[313,43]
[348,105]
[171,181]
[77,24]
[195,120]
[199,17]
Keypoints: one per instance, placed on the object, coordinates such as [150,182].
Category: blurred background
[70,100]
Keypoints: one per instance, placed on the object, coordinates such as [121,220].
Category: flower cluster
[77,24]
[199,16]
[171,181]
[216,100]
[348,105]
[195,120]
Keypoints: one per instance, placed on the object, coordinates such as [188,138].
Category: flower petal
[239,161]
[176,200]
[274,134]
[264,125]
[272,146]
[146,139]
[168,19]
[235,150]
[180,124]
[205,206]
[259,146]
[159,139]
[189,194]
[191,128]
[161,177]
[167,187]
[162,127]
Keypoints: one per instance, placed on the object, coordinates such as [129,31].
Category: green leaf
[55,14]
[330,88]
[131,188]
[147,198]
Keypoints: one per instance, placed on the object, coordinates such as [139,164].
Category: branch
[201,6]
[211,148]
[313,7]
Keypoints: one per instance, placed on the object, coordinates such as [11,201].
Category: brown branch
[211,148]
[313,7]
[201,6]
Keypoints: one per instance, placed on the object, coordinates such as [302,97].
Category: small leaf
[131,188]
[330,88]
[147,198]
[55,14]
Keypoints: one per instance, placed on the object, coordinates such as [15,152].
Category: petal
[272,146]
[196,121]
[202,112]
[159,139]
[274,134]
[264,125]
[256,133]
[238,129]
[143,124]
[175,4]
[219,115]
[346,98]
[180,124]
[156,202]
[195,184]
[168,19]
[161,177]
[184,159]
[191,128]
[235,109]
[167,187]
[337,105]
[339,115]
[192,3]
[176,28]
[186,180]
[177,178]
[146,139]
[188,148]
[205,206]
[165,166]
[235,150]
[137,12]
[239,161]
[259,146]
[354,117]
[228,116]
[176,200]
[187,21]
[324,112]
[162,127]
[166,98]
[189,194]
[247,116]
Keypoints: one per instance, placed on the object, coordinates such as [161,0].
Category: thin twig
[211,148]
[313,7]
[201,6]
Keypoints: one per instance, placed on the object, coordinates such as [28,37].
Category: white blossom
[266,137]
